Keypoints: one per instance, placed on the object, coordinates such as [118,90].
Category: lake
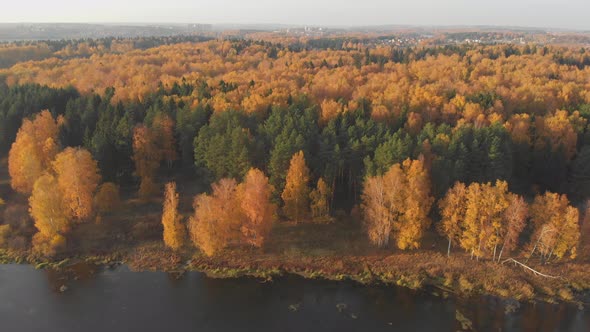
[97,299]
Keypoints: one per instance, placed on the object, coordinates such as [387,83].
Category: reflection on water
[86,298]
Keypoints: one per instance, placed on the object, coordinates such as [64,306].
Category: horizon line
[338,26]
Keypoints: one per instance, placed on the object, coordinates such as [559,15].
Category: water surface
[95,299]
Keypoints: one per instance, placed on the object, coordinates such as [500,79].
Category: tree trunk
[478,249]
[501,251]
[535,247]
[550,254]
[449,248]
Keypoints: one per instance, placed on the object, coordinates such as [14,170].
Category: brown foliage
[107,198]
[147,189]
[163,129]
[146,153]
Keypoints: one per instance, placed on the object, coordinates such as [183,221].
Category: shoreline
[425,272]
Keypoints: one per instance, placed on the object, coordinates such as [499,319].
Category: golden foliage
[519,127]
[259,212]
[33,150]
[296,192]
[320,200]
[524,83]
[216,219]
[174,231]
[557,230]
[398,201]
[558,131]
[77,178]
[482,218]
[49,211]
[410,228]
[452,211]
[233,213]
[329,109]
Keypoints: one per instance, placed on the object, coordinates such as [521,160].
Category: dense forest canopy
[394,131]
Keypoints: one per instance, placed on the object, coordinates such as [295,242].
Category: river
[104,300]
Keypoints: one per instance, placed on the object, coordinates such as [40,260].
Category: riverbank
[457,275]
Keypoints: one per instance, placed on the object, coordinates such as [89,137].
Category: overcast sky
[536,13]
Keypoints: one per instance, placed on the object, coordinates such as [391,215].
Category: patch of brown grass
[153,256]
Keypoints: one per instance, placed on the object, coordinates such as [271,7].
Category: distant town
[402,36]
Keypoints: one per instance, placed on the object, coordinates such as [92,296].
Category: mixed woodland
[484,149]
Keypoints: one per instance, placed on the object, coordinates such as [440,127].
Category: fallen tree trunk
[530,269]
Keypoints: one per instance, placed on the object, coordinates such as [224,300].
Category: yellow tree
[217,217]
[33,150]
[320,196]
[24,164]
[558,130]
[515,217]
[376,215]
[482,217]
[495,225]
[519,127]
[203,226]
[107,198]
[77,179]
[452,210]
[259,212]
[174,233]
[296,193]
[399,200]
[472,222]
[329,109]
[483,223]
[413,220]
[556,223]
[49,212]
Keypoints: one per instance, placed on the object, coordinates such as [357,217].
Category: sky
[569,14]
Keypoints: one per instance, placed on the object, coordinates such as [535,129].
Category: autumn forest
[425,164]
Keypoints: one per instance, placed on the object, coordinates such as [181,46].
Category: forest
[209,147]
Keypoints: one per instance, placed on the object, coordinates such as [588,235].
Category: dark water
[120,300]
